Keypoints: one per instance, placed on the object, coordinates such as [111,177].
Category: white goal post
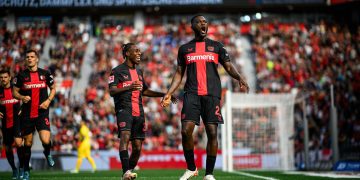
[258,131]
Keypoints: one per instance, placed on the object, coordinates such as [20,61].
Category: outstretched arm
[150,93]
[231,70]
[179,74]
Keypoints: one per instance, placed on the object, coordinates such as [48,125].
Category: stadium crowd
[308,59]
[305,58]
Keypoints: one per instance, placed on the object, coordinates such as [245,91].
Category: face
[200,26]
[5,79]
[31,59]
[134,54]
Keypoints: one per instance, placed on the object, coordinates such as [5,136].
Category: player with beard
[9,114]
[31,87]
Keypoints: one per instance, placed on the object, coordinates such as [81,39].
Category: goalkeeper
[84,150]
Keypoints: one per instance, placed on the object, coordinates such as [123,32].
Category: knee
[186,133]
[212,135]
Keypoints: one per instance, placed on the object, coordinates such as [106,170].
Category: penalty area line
[253,175]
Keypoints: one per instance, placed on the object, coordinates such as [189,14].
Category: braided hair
[125,48]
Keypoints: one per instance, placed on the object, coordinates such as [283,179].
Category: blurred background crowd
[301,57]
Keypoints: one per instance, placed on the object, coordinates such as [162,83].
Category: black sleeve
[113,80]
[49,78]
[223,54]
[181,57]
[18,81]
[145,86]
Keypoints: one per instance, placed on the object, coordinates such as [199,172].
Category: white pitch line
[253,175]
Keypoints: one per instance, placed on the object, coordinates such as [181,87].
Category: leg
[211,148]
[89,158]
[45,139]
[135,154]
[10,156]
[123,149]
[27,150]
[20,151]
[187,129]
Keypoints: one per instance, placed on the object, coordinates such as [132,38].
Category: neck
[130,64]
[33,69]
[7,85]
[200,38]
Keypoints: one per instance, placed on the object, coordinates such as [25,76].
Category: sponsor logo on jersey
[9,101]
[200,57]
[35,85]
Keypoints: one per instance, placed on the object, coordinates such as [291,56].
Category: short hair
[194,17]
[33,51]
[5,70]
[125,48]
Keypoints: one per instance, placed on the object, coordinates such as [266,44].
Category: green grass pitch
[163,174]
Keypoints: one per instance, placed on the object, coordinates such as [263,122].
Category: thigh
[8,135]
[211,110]
[139,128]
[124,121]
[191,108]
[42,122]
[27,126]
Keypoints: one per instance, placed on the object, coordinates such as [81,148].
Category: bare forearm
[232,71]
[176,80]
[17,95]
[150,93]
[52,93]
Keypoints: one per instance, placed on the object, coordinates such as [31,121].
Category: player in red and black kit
[31,87]
[127,86]
[200,58]
[9,114]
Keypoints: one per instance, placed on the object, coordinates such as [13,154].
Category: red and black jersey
[123,76]
[9,107]
[34,84]
[201,60]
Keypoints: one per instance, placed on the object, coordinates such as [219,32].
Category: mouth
[203,29]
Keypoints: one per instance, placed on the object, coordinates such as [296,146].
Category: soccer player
[84,149]
[200,58]
[127,86]
[9,113]
[31,87]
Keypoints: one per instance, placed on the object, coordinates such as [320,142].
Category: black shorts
[208,107]
[42,122]
[135,124]
[8,136]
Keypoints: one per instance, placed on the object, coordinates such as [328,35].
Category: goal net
[258,131]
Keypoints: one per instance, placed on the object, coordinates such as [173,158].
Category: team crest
[42,77]
[140,78]
[210,48]
[122,124]
[111,79]
[183,116]
[190,49]
[126,76]
[26,79]
[15,80]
